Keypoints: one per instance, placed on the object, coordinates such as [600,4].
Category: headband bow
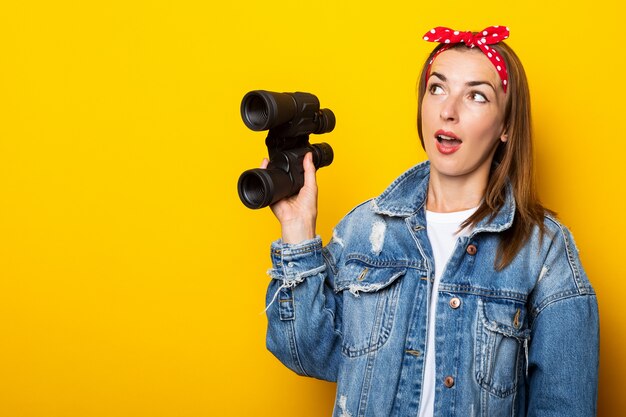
[488,36]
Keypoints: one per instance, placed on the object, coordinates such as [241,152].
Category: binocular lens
[262,110]
[255,112]
[252,191]
[261,187]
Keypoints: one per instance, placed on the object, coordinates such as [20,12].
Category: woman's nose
[449,109]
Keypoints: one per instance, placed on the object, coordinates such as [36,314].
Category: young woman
[454,292]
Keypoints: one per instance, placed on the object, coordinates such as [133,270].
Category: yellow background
[132,279]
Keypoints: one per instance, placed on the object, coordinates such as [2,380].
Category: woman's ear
[504,137]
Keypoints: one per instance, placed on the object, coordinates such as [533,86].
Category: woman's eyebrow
[439,75]
[475,83]
[469,83]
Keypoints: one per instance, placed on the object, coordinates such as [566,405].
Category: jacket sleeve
[564,345]
[303,329]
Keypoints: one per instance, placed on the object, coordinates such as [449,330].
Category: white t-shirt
[443,232]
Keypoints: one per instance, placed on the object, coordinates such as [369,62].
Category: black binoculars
[290,118]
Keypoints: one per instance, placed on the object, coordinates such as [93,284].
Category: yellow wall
[131,277]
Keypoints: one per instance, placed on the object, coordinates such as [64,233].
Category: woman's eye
[436,89]
[479,97]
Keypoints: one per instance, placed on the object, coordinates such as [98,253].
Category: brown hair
[513,161]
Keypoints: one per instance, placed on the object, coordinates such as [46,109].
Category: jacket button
[448,382]
[471,249]
[455,303]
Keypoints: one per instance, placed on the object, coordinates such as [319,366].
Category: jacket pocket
[370,298]
[501,341]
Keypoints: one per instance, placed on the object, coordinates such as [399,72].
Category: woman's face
[462,114]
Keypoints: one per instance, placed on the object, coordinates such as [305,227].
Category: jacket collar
[407,195]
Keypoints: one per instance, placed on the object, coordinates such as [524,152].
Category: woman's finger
[309,171]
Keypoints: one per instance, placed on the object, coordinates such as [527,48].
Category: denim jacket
[522,341]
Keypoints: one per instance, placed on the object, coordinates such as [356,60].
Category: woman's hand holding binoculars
[298,214]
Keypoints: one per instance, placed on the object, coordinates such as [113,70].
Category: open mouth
[446,140]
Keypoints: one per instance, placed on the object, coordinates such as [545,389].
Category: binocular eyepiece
[290,118]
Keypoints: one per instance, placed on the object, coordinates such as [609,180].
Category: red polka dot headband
[487,36]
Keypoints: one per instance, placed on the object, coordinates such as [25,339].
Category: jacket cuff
[295,262]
